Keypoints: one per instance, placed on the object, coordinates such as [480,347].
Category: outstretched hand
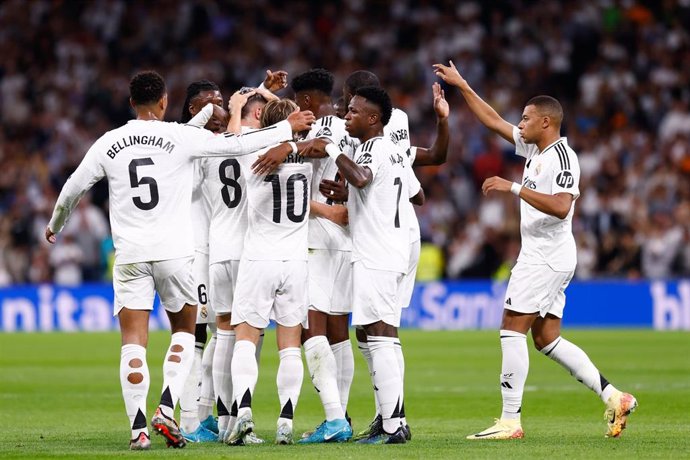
[449,74]
[275,81]
[50,236]
[440,104]
[496,183]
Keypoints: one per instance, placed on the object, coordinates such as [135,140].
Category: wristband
[333,151]
[515,189]
[293,146]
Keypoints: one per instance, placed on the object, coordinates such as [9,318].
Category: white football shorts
[375,296]
[204,313]
[330,281]
[407,284]
[537,289]
[136,284]
[223,285]
[271,289]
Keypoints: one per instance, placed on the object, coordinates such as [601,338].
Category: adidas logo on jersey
[325,131]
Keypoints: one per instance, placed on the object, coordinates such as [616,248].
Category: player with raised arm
[535,297]
[379,187]
[397,129]
[331,365]
[272,282]
[197,423]
[149,166]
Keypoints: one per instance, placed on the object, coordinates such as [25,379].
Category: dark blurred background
[620,68]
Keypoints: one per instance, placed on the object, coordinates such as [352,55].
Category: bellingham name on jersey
[129,141]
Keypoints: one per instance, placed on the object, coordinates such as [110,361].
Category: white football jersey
[201,208]
[547,239]
[323,233]
[378,221]
[277,210]
[150,171]
[398,130]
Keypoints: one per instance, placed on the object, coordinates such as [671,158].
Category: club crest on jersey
[364,159]
[565,179]
[325,131]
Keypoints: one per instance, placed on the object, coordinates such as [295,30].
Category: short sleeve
[367,155]
[566,176]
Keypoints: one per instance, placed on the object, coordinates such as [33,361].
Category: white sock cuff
[550,347]
[315,341]
[130,349]
[290,351]
[378,342]
[340,345]
[225,333]
[245,346]
[183,338]
[505,333]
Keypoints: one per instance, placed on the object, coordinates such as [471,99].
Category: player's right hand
[316,148]
[301,121]
[440,104]
[271,159]
[449,74]
[50,236]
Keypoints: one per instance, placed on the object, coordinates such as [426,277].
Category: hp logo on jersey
[565,179]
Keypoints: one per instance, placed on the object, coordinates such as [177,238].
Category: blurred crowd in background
[621,69]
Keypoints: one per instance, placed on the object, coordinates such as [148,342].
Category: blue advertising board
[454,305]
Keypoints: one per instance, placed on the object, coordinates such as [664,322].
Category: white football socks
[576,361]
[245,373]
[345,370]
[189,399]
[176,367]
[207,393]
[401,365]
[514,370]
[387,380]
[289,382]
[135,380]
[322,368]
[366,352]
[222,377]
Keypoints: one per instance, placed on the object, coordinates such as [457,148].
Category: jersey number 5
[136,181]
[274,179]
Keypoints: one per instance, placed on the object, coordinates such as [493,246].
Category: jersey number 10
[274,179]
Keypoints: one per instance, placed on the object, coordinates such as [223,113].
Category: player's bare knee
[135,378]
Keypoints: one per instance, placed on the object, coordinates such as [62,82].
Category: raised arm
[438,152]
[483,111]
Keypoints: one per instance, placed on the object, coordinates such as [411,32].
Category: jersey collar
[553,144]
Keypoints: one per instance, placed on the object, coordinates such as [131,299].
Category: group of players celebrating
[278,209]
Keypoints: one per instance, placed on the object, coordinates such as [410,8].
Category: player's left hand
[271,159]
[334,190]
[316,148]
[50,236]
[275,81]
[440,104]
[496,183]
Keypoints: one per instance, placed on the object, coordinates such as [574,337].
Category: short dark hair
[193,90]
[361,78]
[251,100]
[377,96]
[146,87]
[549,106]
[277,110]
[314,79]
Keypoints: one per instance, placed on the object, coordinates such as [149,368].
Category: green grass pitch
[60,397]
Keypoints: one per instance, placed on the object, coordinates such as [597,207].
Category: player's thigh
[257,283]
[375,296]
[292,298]
[174,283]
[134,286]
[200,271]
[223,281]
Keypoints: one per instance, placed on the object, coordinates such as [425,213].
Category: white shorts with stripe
[330,281]
[537,289]
[135,285]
